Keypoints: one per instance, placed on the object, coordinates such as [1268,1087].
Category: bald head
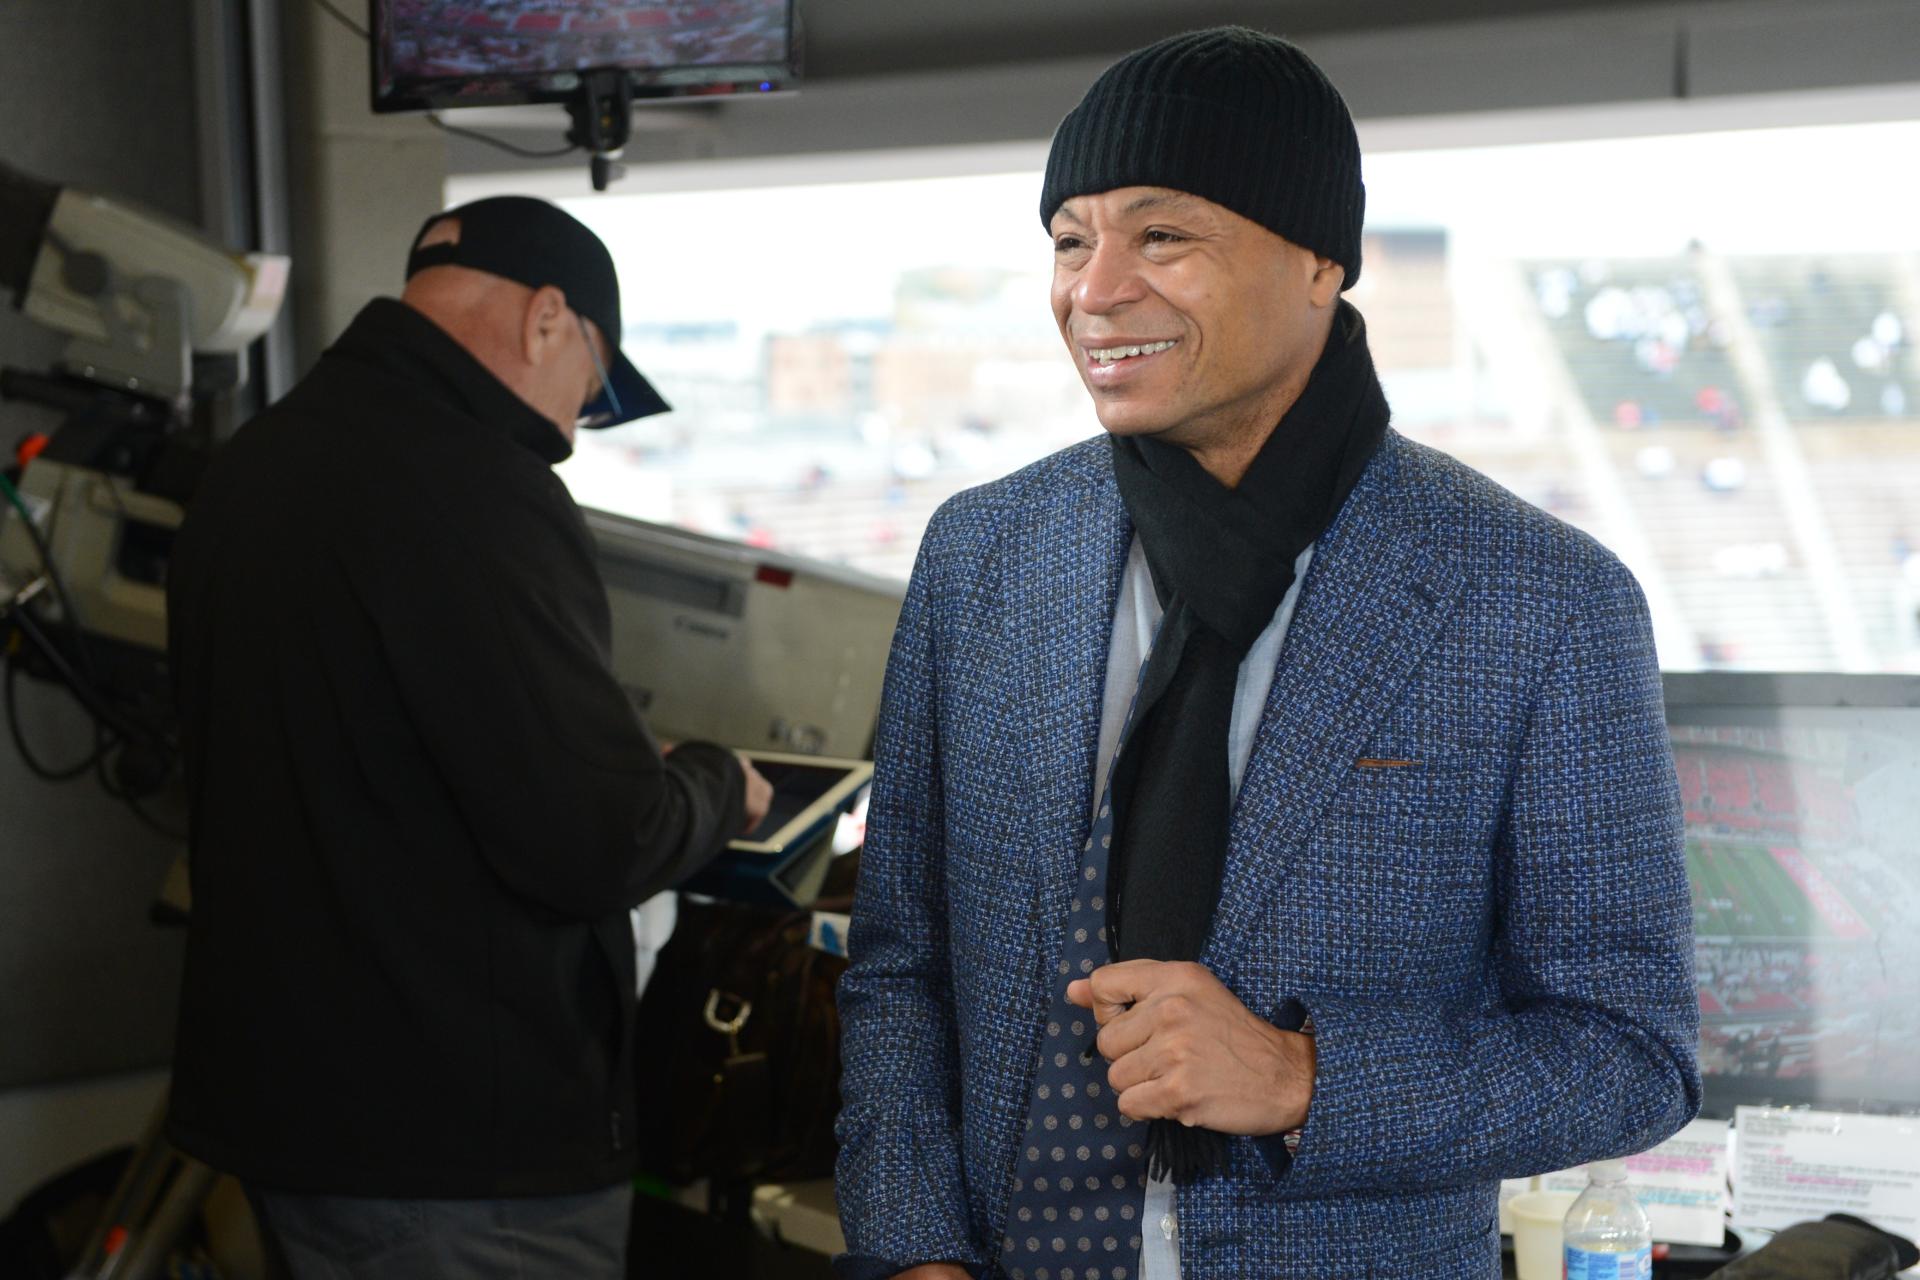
[483,312]
[527,338]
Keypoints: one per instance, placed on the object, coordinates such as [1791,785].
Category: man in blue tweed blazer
[1274,840]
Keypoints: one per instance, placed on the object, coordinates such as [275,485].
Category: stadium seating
[1809,311]
[1645,354]
[1636,336]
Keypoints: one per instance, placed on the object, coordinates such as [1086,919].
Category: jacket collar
[402,343]
[1061,620]
[1375,598]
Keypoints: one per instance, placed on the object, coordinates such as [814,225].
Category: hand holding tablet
[807,794]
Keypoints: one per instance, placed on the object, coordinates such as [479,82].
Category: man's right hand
[935,1271]
[759,800]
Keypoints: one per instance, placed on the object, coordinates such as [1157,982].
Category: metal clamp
[730,1028]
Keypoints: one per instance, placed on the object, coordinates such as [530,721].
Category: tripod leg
[144,1256]
[131,1197]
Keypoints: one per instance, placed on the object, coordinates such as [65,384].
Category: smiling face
[1186,320]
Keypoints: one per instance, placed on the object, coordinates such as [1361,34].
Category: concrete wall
[86,982]
[360,184]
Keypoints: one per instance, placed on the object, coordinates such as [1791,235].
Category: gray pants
[355,1238]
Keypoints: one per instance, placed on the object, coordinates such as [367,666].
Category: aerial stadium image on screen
[1803,852]
[450,38]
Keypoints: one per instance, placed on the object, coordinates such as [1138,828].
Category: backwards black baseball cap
[536,243]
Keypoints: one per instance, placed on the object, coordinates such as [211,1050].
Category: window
[1698,348]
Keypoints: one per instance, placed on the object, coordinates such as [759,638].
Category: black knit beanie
[1232,115]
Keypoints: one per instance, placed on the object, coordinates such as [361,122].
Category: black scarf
[1222,560]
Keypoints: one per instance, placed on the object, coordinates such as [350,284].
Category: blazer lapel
[1376,596]
[1074,551]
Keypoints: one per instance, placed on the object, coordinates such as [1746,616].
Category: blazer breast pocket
[1407,787]
[1395,881]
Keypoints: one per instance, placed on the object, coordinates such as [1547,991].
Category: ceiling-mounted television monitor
[435,54]
[1802,799]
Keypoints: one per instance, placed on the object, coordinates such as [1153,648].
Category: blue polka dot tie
[1077,1190]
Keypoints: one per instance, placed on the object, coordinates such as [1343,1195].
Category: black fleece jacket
[420,802]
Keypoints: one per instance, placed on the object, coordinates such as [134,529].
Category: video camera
[158,318]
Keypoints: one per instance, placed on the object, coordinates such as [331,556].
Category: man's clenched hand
[1184,1048]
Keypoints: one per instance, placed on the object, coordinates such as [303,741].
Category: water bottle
[1606,1231]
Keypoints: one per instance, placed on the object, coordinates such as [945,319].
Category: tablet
[809,793]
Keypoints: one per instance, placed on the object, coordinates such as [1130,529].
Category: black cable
[504,146]
[97,763]
[95,705]
[45,772]
[68,614]
[97,708]
[104,743]
[343,19]
[80,686]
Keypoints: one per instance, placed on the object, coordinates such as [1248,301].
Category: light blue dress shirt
[1135,617]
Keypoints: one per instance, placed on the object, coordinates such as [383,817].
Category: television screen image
[468,52]
[1803,857]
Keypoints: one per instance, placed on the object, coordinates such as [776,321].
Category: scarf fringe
[1184,1155]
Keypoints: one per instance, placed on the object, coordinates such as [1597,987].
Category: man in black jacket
[421,803]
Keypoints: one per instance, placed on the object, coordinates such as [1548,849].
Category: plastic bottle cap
[1610,1170]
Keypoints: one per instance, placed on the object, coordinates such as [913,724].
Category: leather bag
[737,1063]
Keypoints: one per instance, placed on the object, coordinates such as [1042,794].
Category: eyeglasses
[612,414]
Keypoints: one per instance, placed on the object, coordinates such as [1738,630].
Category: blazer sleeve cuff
[1277,1151]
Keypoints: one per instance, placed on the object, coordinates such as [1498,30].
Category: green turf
[1746,874]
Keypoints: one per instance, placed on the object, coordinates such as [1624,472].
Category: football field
[1755,889]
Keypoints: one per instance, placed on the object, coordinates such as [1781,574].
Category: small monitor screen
[1803,856]
[795,787]
[473,52]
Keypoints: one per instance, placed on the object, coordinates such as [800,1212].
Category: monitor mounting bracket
[602,113]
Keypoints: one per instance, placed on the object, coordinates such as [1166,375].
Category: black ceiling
[874,37]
